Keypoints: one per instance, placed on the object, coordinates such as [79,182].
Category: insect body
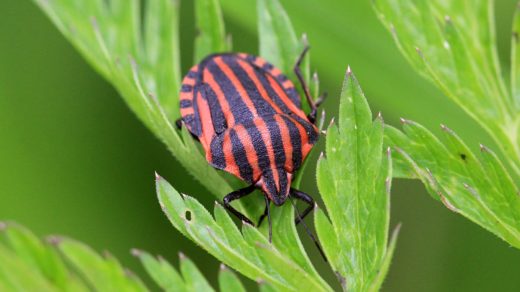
[247,115]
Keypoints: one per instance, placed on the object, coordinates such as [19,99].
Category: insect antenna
[308,231]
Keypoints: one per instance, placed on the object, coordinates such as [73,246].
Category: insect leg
[321,99]
[297,194]
[267,203]
[298,72]
[261,219]
[235,196]
[305,198]
[179,123]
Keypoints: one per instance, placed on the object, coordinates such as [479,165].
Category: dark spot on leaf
[187,215]
[515,36]
[463,156]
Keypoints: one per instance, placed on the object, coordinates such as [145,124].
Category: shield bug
[248,117]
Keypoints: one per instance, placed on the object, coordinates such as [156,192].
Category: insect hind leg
[309,200]
[305,198]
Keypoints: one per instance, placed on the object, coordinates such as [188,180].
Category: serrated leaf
[249,253]
[166,277]
[453,44]
[476,186]
[103,274]
[139,56]
[354,180]
[29,248]
[278,42]
[211,35]
[30,264]
[18,275]
[228,281]
[193,278]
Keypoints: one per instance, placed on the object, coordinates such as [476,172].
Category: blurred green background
[75,161]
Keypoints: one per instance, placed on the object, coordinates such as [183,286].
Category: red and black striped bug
[248,117]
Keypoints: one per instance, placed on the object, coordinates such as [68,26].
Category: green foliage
[140,57]
[249,252]
[452,43]
[210,26]
[476,186]
[354,240]
[354,180]
[62,264]
[58,264]
[228,281]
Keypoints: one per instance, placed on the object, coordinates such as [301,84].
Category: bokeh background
[75,161]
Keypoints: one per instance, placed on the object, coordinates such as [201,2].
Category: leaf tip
[446,129]
[331,122]
[136,252]
[245,223]
[54,240]
[380,117]
[157,176]
[315,77]
[305,40]
[349,71]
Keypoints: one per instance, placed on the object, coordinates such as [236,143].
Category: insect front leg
[235,196]
[309,200]
[313,104]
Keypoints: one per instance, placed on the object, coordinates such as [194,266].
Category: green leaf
[354,180]
[278,41]
[211,35]
[139,56]
[194,279]
[30,264]
[476,186]
[279,44]
[228,281]
[30,249]
[248,253]
[101,273]
[161,272]
[453,44]
[18,275]
[515,59]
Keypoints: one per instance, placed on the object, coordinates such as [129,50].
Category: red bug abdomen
[246,115]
